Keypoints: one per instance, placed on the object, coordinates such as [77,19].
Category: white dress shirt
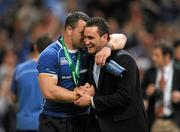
[168,76]
[96,73]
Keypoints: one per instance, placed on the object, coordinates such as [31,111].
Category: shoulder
[122,56]
[23,65]
[150,73]
[177,70]
[151,70]
[120,53]
[124,59]
[51,52]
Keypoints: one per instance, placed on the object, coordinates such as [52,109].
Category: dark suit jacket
[150,78]
[118,100]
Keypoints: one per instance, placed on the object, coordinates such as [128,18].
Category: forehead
[157,50]
[91,30]
[80,25]
[177,48]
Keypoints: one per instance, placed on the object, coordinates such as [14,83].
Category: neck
[102,46]
[35,56]
[167,61]
[68,42]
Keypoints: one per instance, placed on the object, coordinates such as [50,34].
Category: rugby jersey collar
[70,51]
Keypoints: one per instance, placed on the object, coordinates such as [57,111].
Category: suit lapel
[91,74]
[175,85]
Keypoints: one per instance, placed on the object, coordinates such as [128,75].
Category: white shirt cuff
[92,103]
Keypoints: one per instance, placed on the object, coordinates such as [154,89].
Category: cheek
[79,37]
[154,58]
[75,35]
[177,53]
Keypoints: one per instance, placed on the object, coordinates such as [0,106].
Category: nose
[86,41]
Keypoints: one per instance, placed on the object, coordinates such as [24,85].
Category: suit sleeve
[176,84]
[145,82]
[126,86]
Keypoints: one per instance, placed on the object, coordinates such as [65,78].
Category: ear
[69,30]
[104,38]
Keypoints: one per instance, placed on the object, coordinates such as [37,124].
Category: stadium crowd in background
[144,22]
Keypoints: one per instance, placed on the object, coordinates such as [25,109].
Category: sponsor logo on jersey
[66,77]
[63,61]
[83,70]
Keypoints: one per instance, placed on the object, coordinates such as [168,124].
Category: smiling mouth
[89,46]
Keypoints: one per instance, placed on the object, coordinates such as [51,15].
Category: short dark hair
[165,47]
[42,42]
[101,23]
[176,43]
[74,17]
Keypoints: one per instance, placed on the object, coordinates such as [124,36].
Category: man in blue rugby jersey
[62,68]
[25,89]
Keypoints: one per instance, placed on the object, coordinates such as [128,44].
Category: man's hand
[117,41]
[150,90]
[102,55]
[86,89]
[84,100]
[175,96]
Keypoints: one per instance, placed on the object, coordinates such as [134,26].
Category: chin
[90,51]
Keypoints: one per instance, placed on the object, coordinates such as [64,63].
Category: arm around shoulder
[117,41]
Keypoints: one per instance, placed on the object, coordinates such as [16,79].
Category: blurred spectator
[177,53]
[57,7]
[6,72]
[163,10]
[48,24]
[7,110]
[25,90]
[4,42]
[145,22]
[71,5]
[95,6]
[113,25]
[161,90]
[165,31]
[134,23]
[7,116]
[27,15]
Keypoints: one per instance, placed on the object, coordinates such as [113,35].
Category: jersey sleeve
[48,62]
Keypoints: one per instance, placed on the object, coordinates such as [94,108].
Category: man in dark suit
[118,103]
[161,86]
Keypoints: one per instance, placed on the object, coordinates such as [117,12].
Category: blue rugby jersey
[53,61]
[25,86]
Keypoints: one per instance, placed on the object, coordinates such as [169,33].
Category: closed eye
[89,37]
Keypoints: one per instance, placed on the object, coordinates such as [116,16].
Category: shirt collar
[168,67]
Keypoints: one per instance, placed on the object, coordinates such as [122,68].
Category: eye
[90,37]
